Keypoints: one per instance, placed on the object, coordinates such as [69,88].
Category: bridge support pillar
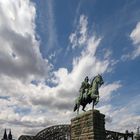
[88,126]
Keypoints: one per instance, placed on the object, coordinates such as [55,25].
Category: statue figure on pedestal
[89,92]
[84,87]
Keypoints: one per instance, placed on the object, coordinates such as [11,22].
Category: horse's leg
[78,110]
[78,106]
[75,107]
[84,108]
[93,103]
[85,101]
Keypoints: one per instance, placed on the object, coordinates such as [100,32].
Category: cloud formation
[51,29]
[24,105]
[135,36]
[20,59]
[79,36]
[19,52]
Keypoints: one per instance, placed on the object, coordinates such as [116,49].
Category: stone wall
[89,125]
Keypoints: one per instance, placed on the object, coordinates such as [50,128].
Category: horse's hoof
[84,110]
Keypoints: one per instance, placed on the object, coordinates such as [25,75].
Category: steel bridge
[26,137]
[57,132]
[112,135]
[63,132]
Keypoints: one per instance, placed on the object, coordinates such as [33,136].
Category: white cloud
[122,118]
[135,37]
[126,117]
[52,39]
[106,91]
[24,105]
[78,38]
[19,52]
[52,56]
[26,102]
[20,59]
[135,34]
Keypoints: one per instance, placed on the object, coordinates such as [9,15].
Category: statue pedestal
[88,126]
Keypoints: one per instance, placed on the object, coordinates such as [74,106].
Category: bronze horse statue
[92,94]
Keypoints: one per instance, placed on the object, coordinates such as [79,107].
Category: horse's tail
[75,107]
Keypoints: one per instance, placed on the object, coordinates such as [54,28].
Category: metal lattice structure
[63,132]
[111,135]
[57,132]
[26,137]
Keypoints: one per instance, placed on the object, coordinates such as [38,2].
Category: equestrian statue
[88,92]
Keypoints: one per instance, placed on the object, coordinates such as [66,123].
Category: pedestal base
[88,126]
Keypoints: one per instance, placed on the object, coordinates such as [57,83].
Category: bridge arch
[26,137]
[57,132]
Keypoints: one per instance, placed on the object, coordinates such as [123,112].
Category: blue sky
[47,49]
[112,20]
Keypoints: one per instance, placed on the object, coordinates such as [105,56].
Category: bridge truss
[26,137]
[63,132]
[111,135]
[57,132]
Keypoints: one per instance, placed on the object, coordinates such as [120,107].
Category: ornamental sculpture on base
[91,124]
[88,93]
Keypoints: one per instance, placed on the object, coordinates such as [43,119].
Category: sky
[47,48]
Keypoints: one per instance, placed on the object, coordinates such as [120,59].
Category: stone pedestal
[88,126]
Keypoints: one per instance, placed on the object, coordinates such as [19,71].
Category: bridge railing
[63,132]
[112,135]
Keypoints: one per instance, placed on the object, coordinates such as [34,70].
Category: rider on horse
[84,86]
[89,92]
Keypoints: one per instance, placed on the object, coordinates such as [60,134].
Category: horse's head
[99,79]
